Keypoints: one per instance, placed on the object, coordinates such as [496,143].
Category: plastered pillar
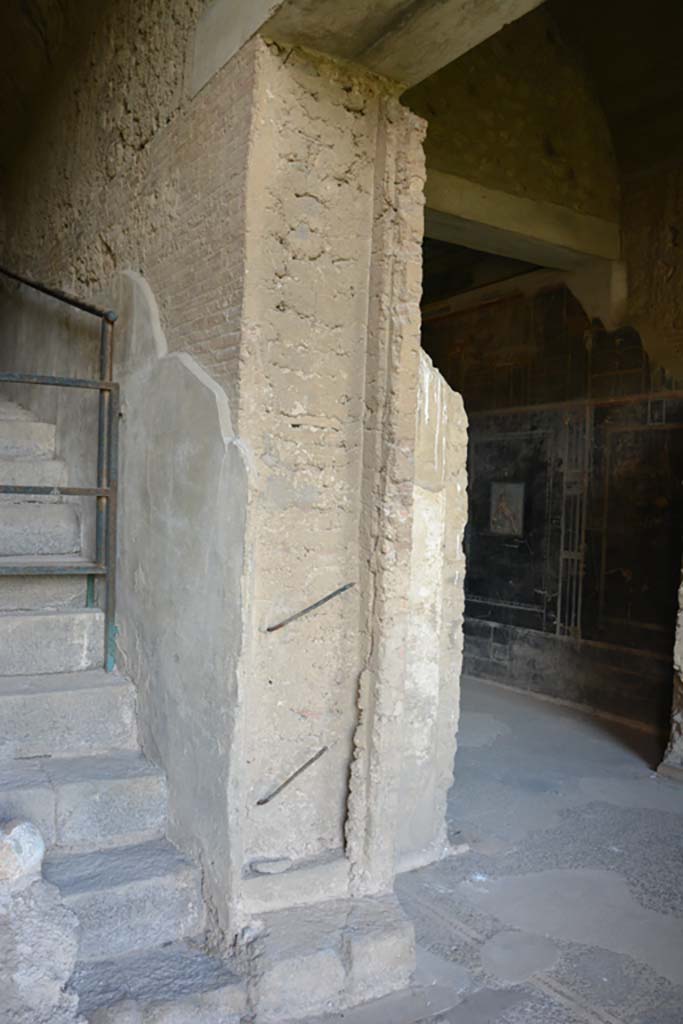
[334,423]
[327,418]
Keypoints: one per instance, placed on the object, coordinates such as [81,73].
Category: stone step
[86,802]
[321,958]
[164,986]
[129,898]
[38,642]
[66,714]
[26,439]
[32,472]
[13,411]
[41,593]
[39,528]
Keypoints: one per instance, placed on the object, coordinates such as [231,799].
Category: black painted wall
[576,499]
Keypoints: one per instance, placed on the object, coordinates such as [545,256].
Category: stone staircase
[70,763]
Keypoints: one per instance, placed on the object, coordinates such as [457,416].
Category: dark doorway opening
[575,497]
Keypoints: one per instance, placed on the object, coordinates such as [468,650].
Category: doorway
[575,464]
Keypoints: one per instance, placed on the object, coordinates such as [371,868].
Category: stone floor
[564,904]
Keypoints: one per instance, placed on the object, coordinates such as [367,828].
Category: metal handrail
[106,490]
[57,293]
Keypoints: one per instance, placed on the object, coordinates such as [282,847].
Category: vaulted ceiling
[631,49]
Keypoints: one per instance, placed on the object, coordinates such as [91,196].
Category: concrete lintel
[404,40]
[424,37]
[536,231]
[223,28]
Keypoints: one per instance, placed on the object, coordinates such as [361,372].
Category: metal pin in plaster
[310,608]
[290,778]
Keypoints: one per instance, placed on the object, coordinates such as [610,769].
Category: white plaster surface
[182,498]
[436,596]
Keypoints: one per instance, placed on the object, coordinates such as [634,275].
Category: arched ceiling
[631,49]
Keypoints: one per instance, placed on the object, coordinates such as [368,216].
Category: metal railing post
[106,366]
[110,629]
[105,547]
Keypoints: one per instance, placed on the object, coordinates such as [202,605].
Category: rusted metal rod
[290,778]
[310,608]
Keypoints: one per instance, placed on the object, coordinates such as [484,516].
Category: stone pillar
[672,765]
[333,407]
[327,421]
[327,415]
[331,410]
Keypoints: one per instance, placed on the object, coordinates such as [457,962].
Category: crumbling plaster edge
[392,363]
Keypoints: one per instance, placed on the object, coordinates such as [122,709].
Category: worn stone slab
[85,802]
[436,988]
[51,641]
[39,528]
[29,593]
[322,958]
[129,898]
[297,885]
[25,792]
[24,438]
[102,800]
[66,714]
[32,472]
[174,984]
[13,411]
